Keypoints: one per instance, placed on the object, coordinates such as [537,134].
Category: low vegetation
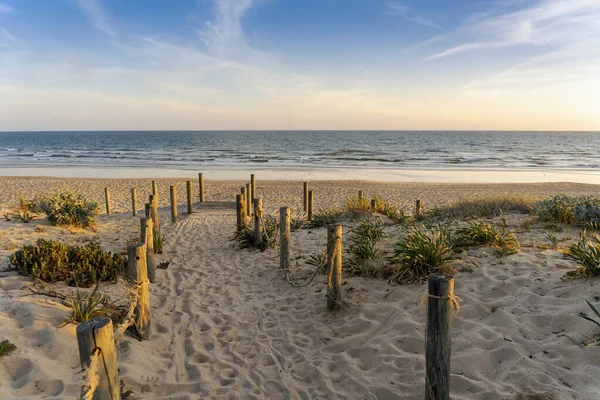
[52,261]
[68,208]
[592,319]
[364,249]
[379,206]
[244,237]
[324,217]
[478,233]
[6,347]
[421,253]
[580,210]
[482,208]
[85,306]
[586,252]
[357,205]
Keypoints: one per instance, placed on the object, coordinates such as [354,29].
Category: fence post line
[252,186]
[258,220]
[284,237]
[137,274]
[249,200]
[311,203]
[96,337]
[438,339]
[147,237]
[189,196]
[173,204]
[134,209]
[305,197]
[201,187]
[107,198]
[334,260]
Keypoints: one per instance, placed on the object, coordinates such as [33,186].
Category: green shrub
[53,261]
[68,208]
[587,254]
[483,208]
[324,217]
[6,347]
[581,210]
[420,254]
[364,245]
[85,306]
[244,235]
[478,233]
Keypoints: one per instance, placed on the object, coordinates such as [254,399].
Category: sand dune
[226,325]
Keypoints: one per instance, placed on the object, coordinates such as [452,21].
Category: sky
[300,64]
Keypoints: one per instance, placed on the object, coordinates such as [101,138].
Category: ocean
[193,150]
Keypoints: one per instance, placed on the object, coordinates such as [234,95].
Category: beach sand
[226,325]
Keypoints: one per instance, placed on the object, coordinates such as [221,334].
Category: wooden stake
[360,195]
[137,274]
[249,200]
[334,261]
[189,196]
[418,208]
[134,209]
[438,340]
[147,238]
[284,237]
[201,187]
[305,198]
[258,221]
[311,203]
[154,213]
[252,186]
[107,197]
[155,190]
[240,212]
[173,204]
[148,211]
[96,337]
[373,204]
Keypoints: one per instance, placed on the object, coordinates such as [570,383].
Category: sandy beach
[226,325]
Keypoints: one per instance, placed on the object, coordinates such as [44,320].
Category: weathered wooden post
[418,209]
[249,200]
[147,237]
[284,237]
[305,197]
[360,195]
[134,209]
[137,274]
[440,305]
[201,187]
[240,212]
[173,204]
[107,197]
[252,186]
[189,196]
[148,211]
[311,203]
[258,220]
[154,213]
[334,261]
[373,204]
[96,342]
[155,190]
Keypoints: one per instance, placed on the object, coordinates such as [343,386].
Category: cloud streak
[404,12]
[97,16]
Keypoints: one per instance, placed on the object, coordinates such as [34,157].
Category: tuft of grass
[85,306]
[316,260]
[580,210]
[379,206]
[158,242]
[478,233]
[324,217]
[364,248]
[6,347]
[357,205]
[297,223]
[483,208]
[421,253]
[593,320]
[244,235]
[587,253]
[553,239]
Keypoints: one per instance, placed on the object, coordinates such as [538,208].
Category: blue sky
[299,64]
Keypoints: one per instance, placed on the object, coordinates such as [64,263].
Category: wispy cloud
[401,10]
[97,16]
[544,23]
[5,9]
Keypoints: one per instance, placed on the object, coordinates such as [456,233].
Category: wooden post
[95,338]
[107,197]
[147,237]
[138,275]
[240,212]
[148,211]
[154,213]
[173,204]
[438,340]
[360,195]
[305,198]
[258,221]
[418,208]
[201,187]
[252,186]
[334,261]
[249,200]
[311,203]
[134,209]
[154,189]
[373,204]
[189,196]
[284,237]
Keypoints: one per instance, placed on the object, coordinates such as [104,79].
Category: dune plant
[52,261]
[364,245]
[581,210]
[482,208]
[592,320]
[158,242]
[478,233]
[68,208]
[421,253]
[244,236]
[357,205]
[6,347]
[85,306]
[586,252]
[324,217]
[379,206]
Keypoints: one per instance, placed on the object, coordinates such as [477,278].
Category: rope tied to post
[453,299]
[129,320]
[91,378]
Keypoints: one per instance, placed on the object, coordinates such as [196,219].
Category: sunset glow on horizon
[300,64]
